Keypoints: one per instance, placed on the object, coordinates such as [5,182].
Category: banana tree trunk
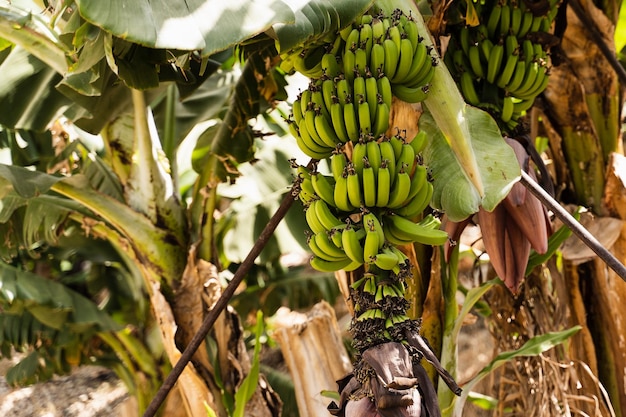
[581,120]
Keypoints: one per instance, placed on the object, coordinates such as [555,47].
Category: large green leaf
[455,193]
[32,32]
[47,299]
[316,18]
[205,25]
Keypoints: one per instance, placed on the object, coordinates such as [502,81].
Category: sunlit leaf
[205,25]
[454,191]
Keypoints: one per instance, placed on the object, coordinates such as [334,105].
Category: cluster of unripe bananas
[502,64]
[353,79]
[366,209]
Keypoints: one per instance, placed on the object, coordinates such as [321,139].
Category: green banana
[324,242]
[381,120]
[366,38]
[405,62]
[387,154]
[332,266]
[392,55]
[354,187]
[340,194]
[418,204]
[493,22]
[406,160]
[338,163]
[507,72]
[323,188]
[374,155]
[384,89]
[474,59]
[325,131]
[365,118]
[351,244]
[507,109]
[369,186]
[383,185]
[400,191]
[495,61]
[416,232]
[336,117]
[468,89]
[325,215]
[351,121]
[517,77]
[312,220]
[410,94]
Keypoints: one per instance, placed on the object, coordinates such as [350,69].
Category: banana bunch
[386,186]
[389,47]
[499,64]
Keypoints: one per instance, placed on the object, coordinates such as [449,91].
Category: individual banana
[392,55]
[338,163]
[325,215]
[328,92]
[324,243]
[493,23]
[378,30]
[312,220]
[330,65]
[349,64]
[366,38]
[507,109]
[340,194]
[310,147]
[325,130]
[406,160]
[407,230]
[371,93]
[383,185]
[384,89]
[337,120]
[400,191]
[405,61]
[361,61]
[369,186]
[495,60]
[386,260]
[410,94]
[352,245]
[418,204]
[319,252]
[397,141]
[372,244]
[344,90]
[351,120]
[517,77]
[359,152]
[468,89]
[374,156]
[506,75]
[354,187]
[365,118]
[475,63]
[419,141]
[387,154]
[332,266]
[505,20]
[516,20]
[381,119]
[323,188]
